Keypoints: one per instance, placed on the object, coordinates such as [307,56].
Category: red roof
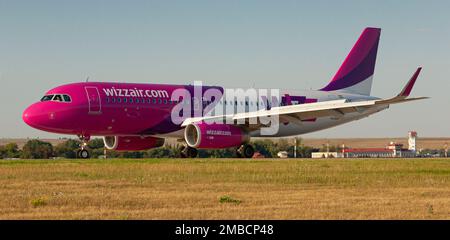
[258,155]
[367,150]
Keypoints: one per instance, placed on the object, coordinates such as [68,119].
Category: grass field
[225,189]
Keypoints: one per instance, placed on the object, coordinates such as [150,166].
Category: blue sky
[268,44]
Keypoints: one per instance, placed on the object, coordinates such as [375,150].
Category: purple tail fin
[356,72]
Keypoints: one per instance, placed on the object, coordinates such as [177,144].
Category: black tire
[192,152]
[183,152]
[248,151]
[84,154]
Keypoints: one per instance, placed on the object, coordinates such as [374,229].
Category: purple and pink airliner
[134,117]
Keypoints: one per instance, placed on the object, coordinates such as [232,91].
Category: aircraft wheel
[188,152]
[183,152]
[246,151]
[83,154]
[192,152]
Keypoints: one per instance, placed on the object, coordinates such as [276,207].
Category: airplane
[135,117]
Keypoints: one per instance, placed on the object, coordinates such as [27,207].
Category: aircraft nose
[32,115]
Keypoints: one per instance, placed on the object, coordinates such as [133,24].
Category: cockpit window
[46,98]
[56,98]
[67,98]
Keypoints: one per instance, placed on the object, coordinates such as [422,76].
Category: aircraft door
[94,101]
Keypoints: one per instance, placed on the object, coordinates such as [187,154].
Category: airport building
[392,150]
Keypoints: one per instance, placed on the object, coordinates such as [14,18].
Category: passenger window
[124,100]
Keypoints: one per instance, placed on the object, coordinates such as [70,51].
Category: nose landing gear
[83,152]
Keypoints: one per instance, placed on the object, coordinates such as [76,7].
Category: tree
[166,151]
[2,151]
[266,147]
[217,153]
[67,149]
[131,154]
[37,149]
[305,151]
[282,144]
[96,143]
[10,150]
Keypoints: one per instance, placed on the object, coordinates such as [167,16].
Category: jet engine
[214,136]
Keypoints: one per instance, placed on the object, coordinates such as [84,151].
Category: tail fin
[356,72]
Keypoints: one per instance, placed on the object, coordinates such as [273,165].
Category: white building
[327,155]
[392,150]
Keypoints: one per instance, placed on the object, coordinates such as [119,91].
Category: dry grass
[225,189]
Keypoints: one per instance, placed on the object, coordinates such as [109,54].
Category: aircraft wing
[334,108]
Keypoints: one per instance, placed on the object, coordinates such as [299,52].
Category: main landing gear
[83,152]
[188,152]
[245,151]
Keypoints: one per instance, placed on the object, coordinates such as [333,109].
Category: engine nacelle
[214,136]
[132,143]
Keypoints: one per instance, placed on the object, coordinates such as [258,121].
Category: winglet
[402,96]
[408,87]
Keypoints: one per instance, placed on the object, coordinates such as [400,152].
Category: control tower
[412,135]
